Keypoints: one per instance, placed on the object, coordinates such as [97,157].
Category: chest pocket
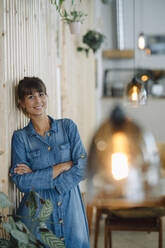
[37,160]
[34,154]
[64,152]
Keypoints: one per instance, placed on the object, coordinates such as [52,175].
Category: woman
[48,157]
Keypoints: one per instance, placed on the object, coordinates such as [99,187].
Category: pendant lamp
[141,41]
[136,92]
[123,163]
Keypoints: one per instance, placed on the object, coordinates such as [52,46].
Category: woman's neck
[41,124]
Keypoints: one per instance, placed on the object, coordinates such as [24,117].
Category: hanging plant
[93,40]
[73,17]
[58,3]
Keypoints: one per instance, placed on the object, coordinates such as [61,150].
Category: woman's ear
[21,103]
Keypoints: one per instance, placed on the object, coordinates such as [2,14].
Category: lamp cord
[134,40]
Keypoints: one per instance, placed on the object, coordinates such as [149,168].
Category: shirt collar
[31,131]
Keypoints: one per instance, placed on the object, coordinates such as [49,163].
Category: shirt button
[62,238]
[59,203]
[60,221]
[49,148]
[82,156]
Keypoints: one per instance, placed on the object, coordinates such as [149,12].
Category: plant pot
[75,27]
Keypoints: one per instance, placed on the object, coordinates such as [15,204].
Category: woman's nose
[38,99]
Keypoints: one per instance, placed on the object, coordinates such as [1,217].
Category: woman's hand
[22,169]
[59,168]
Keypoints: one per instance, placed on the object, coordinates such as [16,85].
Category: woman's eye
[42,94]
[30,97]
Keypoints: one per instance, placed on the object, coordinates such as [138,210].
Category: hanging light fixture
[136,92]
[141,38]
[141,41]
[123,163]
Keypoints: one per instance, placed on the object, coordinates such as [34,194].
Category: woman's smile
[38,107]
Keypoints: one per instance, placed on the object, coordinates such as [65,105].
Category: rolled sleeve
[71,178]
[38,180]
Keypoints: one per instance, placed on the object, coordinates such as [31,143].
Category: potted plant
[73,17]
[93,40]
[22,237]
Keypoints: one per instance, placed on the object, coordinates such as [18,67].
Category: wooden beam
[118,54]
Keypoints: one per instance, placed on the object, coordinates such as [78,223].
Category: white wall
[150,116]
[150,19]
[148,16]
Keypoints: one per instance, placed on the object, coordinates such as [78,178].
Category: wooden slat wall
[27,48]
[78,78]
[30,32]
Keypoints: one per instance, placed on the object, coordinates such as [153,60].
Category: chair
[99,213]
[146,219]
[146,224]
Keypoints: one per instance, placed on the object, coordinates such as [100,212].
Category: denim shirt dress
[61,143]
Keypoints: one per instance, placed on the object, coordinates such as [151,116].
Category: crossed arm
[57,169]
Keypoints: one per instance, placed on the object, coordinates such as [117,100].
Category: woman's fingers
[22,169]
[19,171]
[67,165]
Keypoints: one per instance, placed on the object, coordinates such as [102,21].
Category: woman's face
[35,104]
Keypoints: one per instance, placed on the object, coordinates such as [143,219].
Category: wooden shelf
[118,54]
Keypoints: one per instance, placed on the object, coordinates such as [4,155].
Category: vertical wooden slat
[3,103]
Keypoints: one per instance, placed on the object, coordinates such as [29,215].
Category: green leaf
[32,204]
[86,50]
[7,227]
[22,227]
[12,222]
[65,14]
[61,2]
[51,239]
[32,238]
[79,49]
[22,245]
[4,201]
[4,243]
[31,246]
[46,211]
[93,39]
[11,225]
[42,225]
[20,236]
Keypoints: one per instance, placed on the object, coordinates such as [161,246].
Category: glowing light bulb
[144,78]
[119,166]
[141,42]
[119,159]
[134,94]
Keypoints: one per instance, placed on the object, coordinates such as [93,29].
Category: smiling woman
[49,158]
[32,95]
